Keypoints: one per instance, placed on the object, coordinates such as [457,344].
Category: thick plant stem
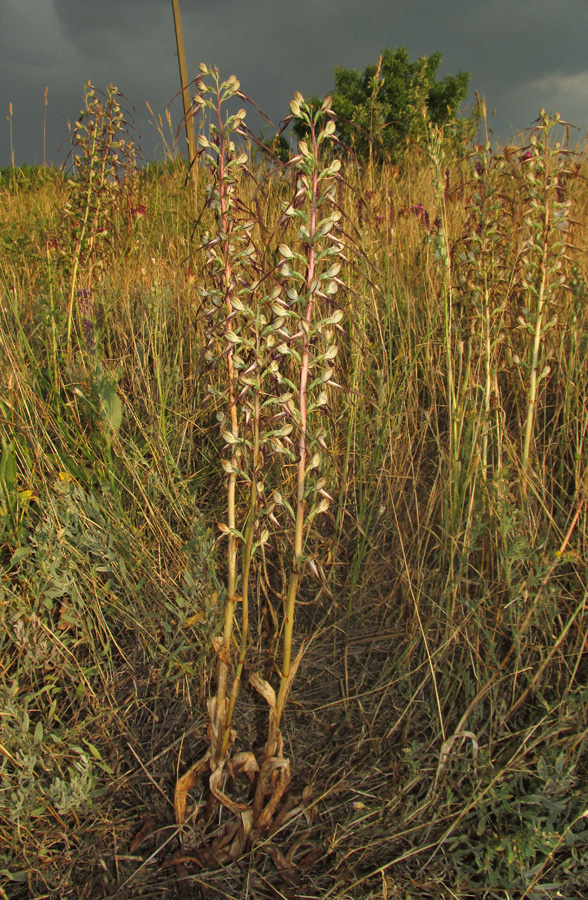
[247,555]
[225,653]
[301,470]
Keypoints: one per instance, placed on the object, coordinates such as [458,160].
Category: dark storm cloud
[522,55]
[527,56]
[108,29]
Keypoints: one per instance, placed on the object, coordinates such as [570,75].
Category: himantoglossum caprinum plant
[275,335]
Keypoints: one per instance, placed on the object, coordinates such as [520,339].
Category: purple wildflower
[421,213]
[87,310]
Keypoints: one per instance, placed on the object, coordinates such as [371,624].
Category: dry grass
[440,714]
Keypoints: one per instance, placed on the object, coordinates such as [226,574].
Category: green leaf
[19,554]
[97,755]
[284,431]
[111,406]
[20,877]
[8,466]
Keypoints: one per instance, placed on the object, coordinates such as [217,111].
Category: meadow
[437,722]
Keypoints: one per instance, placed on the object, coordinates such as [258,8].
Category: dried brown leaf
[241,837]
[65,624]
[226,836]
[221,650]
[294,669]
[215,779]
[147,829]
[310,858]
[244,763]
[185,784]
[276,773]
[287,870]
[216,726]
[179,860]
[264,688]
[194,619]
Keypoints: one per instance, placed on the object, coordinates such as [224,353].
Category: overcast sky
[522,55]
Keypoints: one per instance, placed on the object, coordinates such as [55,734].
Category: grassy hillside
[440,712]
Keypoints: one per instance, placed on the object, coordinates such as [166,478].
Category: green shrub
[388,106]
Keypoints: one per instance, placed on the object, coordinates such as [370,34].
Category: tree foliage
[389,106]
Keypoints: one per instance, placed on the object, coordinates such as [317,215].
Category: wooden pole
[185,90]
